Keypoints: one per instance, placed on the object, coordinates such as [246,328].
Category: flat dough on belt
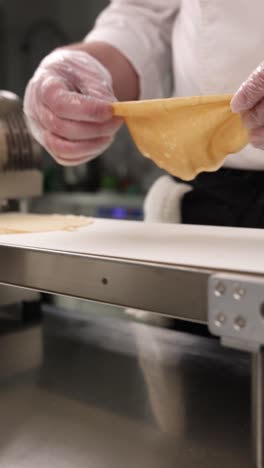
[185,136]
[18,223]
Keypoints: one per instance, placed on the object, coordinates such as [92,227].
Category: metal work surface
[111,393]
[217,248]
[153,267]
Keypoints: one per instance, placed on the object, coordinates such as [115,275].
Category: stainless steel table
[110,393]
[209,275]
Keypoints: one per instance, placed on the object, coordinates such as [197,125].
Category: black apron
[228,197]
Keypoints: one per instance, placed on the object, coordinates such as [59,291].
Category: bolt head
[220,319]
[239,292]
[239,323]
[219,289]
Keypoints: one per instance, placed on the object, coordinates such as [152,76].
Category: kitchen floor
[105,392]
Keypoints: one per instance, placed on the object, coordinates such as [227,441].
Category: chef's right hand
[67,105]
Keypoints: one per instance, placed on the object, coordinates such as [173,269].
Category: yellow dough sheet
[15,223]
[185,136]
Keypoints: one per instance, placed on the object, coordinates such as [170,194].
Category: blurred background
[112,186]
[84,384]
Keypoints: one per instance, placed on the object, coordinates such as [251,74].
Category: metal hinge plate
[236,310]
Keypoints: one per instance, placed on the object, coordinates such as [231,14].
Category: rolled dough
[15,223]
[185,136]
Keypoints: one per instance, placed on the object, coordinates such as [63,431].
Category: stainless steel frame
[258,407]
[152,287]
[159,288]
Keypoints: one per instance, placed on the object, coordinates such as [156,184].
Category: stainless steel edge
[258,407]
[169,290]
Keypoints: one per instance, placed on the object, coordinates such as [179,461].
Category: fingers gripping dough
[185,136]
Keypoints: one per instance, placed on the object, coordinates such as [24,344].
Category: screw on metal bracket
[220,319]
[239,292]
[219,289]
[239,323]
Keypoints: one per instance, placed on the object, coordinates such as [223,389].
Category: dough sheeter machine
[20,172]
[209,275]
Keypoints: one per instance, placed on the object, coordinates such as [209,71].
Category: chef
[136,46]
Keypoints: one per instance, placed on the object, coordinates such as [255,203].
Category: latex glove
[67,106]
[249,102]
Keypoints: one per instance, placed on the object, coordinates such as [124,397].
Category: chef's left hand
[249,102]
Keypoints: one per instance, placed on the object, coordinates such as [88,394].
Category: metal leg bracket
[236,310]
[236,315]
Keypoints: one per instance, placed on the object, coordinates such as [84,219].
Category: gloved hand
[67,105]
[249,102]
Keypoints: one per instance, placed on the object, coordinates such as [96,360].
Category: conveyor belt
[155,267]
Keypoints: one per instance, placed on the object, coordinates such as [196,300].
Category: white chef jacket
[211,46]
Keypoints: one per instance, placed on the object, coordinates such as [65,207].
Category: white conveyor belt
[155,267]
[216,248]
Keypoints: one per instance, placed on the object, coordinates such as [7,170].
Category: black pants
[228,197]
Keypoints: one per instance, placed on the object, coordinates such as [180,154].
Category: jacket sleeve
[141,30]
